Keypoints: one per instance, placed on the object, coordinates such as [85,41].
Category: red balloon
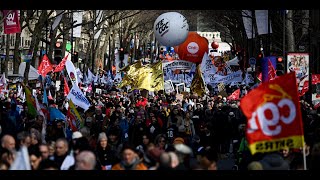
[193,48]
[206,40]
[214,45]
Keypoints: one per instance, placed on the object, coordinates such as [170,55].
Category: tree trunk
[88,56]
[36,35]
[305,22]
[53,41]
[290,35]
[16,55]
[104,50]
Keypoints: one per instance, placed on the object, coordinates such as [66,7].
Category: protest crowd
[102,124]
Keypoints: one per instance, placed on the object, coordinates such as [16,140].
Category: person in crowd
[106,157]
[129,160]
[44,150]
[85,160]
[62,156]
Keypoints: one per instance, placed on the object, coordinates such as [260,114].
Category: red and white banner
[66,88]
[316,91]
[61,64]
[315,78]
[271,71]
[72,73]
[45,66]
[274,115]
[299,63]
[235,95]
[11,22]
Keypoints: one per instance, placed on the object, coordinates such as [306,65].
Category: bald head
[85,160]
[165,160]
[8,142]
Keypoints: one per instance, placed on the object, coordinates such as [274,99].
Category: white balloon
[171,29]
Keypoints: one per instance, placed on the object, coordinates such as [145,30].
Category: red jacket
[142,102]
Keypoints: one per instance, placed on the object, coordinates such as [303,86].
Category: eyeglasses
[162,140]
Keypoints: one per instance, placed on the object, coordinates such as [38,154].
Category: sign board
[252,61]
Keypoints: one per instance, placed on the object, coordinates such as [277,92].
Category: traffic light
[57,53]
[259,59]
[75,57]
[121,54]
[280,66]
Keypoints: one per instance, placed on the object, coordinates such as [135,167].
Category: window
[3,40]
[26,42]
[22,41]
[210,35]
[11,41]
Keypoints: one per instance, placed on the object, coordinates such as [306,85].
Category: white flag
[78,98]
[79,75]
[77,18]
[262,21]
[90,76]
[3,81]
[22,161]
[207,65]
[57,19]
[72,72]
[247,22]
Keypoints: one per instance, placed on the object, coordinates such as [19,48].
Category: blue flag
[56,114]
[45,97]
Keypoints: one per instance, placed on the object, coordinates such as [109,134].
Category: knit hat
[178,140]
[274,161]
[101,136]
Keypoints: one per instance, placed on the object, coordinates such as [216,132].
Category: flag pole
[304,157]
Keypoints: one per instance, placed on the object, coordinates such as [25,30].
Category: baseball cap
[76,135]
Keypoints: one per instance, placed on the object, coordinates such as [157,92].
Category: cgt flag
[11,22]
[235,95]
[274,115]
[45,66]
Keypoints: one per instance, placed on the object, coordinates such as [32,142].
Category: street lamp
[92,43]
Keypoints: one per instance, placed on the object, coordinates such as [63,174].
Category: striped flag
[30,103]
[74,118]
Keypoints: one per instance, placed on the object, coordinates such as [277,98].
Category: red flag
[303,87]
[66,89]
[61,64]
[315,78]
[271,71]
[50,96]
[11,22]
[45,66]
[235,95]
[274,115]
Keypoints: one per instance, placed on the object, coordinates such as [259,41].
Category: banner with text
[78,98]
[273,115]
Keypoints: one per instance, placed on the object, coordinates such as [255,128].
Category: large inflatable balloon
[193,48]
[176,49]
[214,45]
[171,29]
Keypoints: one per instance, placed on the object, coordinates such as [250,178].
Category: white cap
[76,135]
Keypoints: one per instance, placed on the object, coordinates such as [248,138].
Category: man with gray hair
[85,160]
